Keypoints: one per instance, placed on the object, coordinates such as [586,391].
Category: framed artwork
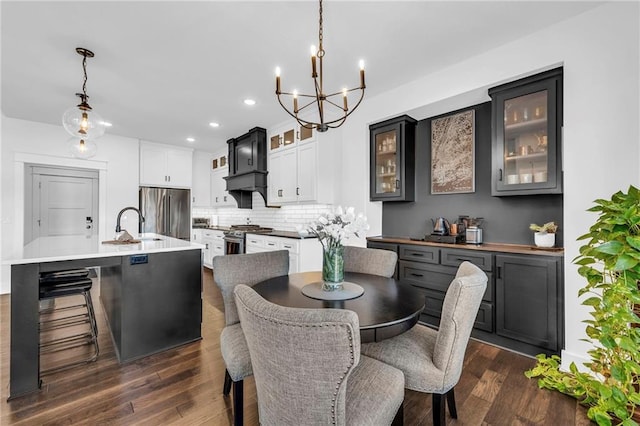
[452,153]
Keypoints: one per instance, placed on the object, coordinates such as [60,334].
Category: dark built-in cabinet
[392,165]
[526,135]
[529,299]
[431,270]
[522,308]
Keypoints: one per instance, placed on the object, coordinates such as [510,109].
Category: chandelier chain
[320,49]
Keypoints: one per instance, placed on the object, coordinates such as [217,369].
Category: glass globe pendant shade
[82,148]
[83,123]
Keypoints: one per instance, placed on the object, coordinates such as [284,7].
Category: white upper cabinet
[303,167]
[220,197]
[201,191]
[165,165]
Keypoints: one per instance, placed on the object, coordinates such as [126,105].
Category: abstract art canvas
[452,153]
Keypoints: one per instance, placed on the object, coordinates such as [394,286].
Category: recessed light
[212,124]
[191,140]
[249,102]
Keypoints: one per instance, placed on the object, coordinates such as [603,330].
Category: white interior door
[65,202]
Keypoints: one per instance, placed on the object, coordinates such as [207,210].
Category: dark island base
[154,305]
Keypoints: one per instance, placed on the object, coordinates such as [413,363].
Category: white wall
[117,159]
[600,54]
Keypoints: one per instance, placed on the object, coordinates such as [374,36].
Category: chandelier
[331,112]
[81,121]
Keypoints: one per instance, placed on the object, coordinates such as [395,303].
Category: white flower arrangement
[333,228]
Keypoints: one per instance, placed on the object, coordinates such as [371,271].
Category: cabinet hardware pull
[417,275]
[250,161]
[225,199]
[500,175]
[417,254]
[462,259]
[499,272]
[397,183]
[297,191]
[298,134]
[216,199]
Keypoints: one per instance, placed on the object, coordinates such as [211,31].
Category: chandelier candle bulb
[278,80]
[314,73]
[344,97]
[362,86]
[295,101]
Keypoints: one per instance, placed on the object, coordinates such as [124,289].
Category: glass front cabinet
[392,166]
[527,125]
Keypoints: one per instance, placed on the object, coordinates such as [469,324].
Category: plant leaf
[625,262]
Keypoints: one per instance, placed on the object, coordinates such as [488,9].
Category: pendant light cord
[84,83]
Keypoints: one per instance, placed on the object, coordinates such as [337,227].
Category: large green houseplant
[610,262]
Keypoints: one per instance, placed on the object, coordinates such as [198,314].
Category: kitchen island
[151,293]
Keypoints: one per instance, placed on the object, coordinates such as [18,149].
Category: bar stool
[60,284]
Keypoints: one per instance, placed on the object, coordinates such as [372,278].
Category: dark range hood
[241,187]
[248,167]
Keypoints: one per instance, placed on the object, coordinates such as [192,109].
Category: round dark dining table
[387,307]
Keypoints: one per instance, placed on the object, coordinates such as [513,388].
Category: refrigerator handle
[167,216]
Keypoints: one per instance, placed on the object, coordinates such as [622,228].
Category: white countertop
[52,249]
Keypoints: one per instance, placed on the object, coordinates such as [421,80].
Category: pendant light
[82,148]
[331,112]
[81,121]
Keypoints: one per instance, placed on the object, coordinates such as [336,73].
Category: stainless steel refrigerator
[166,211]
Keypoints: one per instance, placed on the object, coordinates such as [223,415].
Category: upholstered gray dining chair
[432,360]
[229,271]
[370,261]
[308,368]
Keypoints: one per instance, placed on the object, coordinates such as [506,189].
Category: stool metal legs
[89,337]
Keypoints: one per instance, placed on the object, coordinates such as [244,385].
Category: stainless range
[234,238]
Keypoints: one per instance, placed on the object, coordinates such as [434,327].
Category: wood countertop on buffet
[494,247]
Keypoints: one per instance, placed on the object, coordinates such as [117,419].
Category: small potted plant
[545,235]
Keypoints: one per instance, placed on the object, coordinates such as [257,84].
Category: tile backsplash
[285,218]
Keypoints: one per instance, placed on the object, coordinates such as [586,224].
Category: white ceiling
[164,70]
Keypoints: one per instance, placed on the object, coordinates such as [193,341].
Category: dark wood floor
[184,386]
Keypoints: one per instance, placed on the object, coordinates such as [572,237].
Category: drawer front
[454,257]
[434,277]
[289,244]
[420,254]
[382,246]
[255,242]
[484,320]
[270,244]
[433,310]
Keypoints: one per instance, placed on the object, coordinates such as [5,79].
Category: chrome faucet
[140,218]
